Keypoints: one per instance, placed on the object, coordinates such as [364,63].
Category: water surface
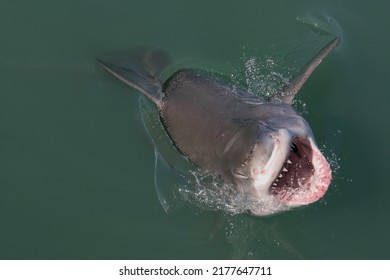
[76,167]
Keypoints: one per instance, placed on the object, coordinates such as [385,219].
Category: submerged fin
[289,91]
[140,70]
[170,167]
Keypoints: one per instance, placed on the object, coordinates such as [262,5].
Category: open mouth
[305,175]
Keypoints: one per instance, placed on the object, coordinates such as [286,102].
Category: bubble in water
[334,161]
[300,106]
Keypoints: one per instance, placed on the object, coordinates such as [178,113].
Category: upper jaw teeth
[284,170]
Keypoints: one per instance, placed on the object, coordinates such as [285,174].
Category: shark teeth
[282,173]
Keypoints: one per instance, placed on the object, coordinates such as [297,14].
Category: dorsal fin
[288,92]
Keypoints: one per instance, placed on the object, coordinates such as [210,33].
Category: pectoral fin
[288,92]
[140,70]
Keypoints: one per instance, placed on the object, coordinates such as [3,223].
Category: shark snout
[264,172]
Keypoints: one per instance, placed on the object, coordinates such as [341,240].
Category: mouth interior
[305,175]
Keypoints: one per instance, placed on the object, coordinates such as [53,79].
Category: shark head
[284,167]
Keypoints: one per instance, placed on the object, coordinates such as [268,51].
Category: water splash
[210,193]
[263,76]
[331,156]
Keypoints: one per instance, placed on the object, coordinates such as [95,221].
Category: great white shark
[264,148]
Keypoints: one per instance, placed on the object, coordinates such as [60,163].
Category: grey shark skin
[265,149]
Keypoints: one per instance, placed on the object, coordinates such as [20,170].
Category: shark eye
[240,175]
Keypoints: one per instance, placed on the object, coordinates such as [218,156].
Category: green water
[76,168]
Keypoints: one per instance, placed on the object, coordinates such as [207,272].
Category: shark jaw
[296,176]
[305,175]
